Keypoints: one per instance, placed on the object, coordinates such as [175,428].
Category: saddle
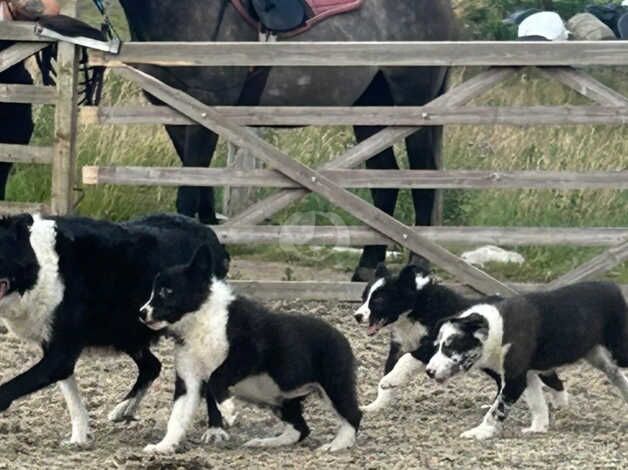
[290,17]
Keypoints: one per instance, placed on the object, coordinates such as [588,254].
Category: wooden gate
[505,59]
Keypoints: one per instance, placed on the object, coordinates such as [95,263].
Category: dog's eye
[164,292]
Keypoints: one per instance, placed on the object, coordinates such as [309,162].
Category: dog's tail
[339,379]
[617,332]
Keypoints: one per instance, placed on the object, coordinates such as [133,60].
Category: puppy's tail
[339,379]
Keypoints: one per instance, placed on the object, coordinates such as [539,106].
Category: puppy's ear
[381,271]
[202,262]
[412,278]
[407,277]
[474,324]
[21,224]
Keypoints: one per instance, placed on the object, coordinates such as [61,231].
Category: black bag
[622,26]
[280,15]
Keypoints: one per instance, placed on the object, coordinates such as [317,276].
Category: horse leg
[17,128]
[377,94]
[195,146]
[416,87]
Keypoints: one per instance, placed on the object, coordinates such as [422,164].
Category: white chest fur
[408,333]
[30,316]
[204,333]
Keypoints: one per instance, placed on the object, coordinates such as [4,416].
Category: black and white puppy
[412,304]
[534,332]
[239,348]
[68,283]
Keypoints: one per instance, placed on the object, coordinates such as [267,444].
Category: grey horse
[377,20]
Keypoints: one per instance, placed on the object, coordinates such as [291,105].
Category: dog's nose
[358,317]
[430,373]
[143,313]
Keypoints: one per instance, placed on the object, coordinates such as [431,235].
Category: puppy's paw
[334,446]
[124,411]
[559,400]
[75,444]
[389,383]
[480,432]
[535,429]
[228,411]
[372,408]
[257,442]
[215,435]
[159,449]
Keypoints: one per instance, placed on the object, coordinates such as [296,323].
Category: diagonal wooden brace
[18,52]
[361,152]
[585,85]
[314,181]
[593,268]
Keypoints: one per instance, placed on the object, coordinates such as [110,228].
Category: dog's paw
[159,449]
[390,383]
[335,446]
[228,412]
[257,442]
[535,429]
[559,400]
[215,435]
[124,411]
[372,408]
[79,439]
[480,432]
[74,443]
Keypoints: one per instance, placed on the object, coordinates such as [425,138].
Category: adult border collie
[240,348]
[412,304]
[534,332]
[67,283]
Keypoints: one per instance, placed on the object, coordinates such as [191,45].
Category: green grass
[580,148]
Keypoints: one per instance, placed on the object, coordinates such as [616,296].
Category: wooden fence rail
[451,179]
[370,116]
[347,54]
[347,235]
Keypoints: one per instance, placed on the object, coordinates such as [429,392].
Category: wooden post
[238,198]
[66,115]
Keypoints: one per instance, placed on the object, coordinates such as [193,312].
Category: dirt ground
[420,431]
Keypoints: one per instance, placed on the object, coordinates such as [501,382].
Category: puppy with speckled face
[522,335]
[233,346]
[460,344]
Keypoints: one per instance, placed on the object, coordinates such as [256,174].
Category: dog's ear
[202,262]
[407,277]
[20,225]
[412,278]
[381,271]
[474,324]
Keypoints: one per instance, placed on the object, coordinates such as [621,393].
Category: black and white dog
[412,304]
[534,332]
[68,283]
[240,348]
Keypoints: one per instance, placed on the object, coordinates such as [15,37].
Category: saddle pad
[321,10]
[332,7]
